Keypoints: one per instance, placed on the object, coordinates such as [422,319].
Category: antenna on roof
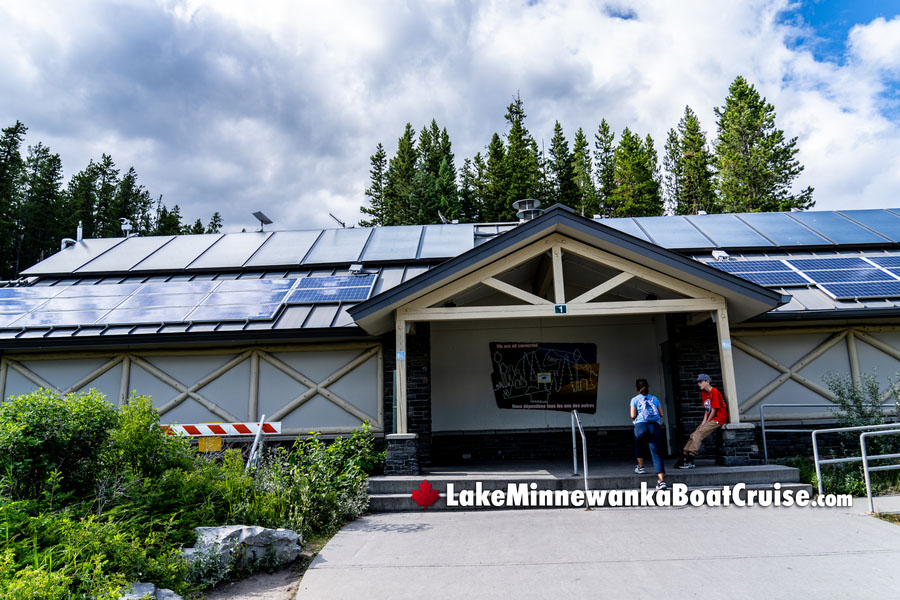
[443,218]
[126,227]
[338,221]
[263,220]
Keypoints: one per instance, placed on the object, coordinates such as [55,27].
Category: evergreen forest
[37,210]
[750,166]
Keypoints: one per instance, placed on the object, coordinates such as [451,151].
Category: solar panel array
[841,277]
[173,301]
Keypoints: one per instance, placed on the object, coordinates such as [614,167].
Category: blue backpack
[648,410]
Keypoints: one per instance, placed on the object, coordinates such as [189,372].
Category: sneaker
[639,470]
[679,462]
[662,485]
[685,465]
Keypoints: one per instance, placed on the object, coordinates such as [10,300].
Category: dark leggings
[650,433]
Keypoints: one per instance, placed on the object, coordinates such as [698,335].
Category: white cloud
[877,44]
[277,106]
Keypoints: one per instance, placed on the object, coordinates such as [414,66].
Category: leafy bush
[44,432]
[95,496]
[859,405]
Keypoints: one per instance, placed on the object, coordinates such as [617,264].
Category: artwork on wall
[545,376]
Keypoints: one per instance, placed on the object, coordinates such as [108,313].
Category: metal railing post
[574,446]
[256,444]
[865,462]
[762,421]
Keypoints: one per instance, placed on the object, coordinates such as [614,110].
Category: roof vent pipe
[66,242]
[79,233]
[527,209]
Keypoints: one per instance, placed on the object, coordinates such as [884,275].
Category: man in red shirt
[715,417]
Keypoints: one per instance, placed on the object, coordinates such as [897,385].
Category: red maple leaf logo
[425,495]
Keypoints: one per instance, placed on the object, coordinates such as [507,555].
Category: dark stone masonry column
[402,454]
[737,445]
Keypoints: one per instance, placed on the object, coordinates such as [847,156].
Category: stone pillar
[402,454]
[736,445]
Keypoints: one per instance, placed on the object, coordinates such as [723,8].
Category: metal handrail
[256,448]
[577,421]
[762,420]
[866,458]
[831,461]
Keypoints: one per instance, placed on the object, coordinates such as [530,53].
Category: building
[463,334]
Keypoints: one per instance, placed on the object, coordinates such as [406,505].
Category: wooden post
[853,355]
[4,369]
[125,381]
[401,375]
[727,364]
[253,409]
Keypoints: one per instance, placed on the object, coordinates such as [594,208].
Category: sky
[277,106]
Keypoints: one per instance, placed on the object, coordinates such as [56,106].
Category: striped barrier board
[212,429]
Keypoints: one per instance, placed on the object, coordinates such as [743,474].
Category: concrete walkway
[702,552]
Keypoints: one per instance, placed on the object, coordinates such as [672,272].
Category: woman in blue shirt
[647,415]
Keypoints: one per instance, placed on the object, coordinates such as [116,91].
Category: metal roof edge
[549,222]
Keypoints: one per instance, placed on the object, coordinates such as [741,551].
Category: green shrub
[139,444]
[43,432]
[95,497]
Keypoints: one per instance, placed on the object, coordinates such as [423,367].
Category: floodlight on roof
[263,220]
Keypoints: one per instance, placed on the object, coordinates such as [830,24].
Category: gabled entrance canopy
[560,265]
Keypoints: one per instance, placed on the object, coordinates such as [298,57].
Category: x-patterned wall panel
[331,388]
[789,366]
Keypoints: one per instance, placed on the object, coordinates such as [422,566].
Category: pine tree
[378,207]
[42,220]
[81,198]
[12,167]
[756,164]
[560,170]
[106,221]
[167,222]
[522,167]
[496,183]
[586,204]
[469,198]
[215,223]
[132,202]
[400,181]
[637,192]
[604,167]
[689,170]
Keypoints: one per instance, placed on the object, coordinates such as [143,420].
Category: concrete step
[394,493]
[701,476]
[403,502]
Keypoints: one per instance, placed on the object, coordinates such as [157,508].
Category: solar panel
[95,291]
[838,228]
[179,287]
[783,230]
[850,291]
[52,319]
[673,232]
[233,313]
[446,241]
[85,303]
[19,293]
[749,266]
[249,298]
[727,231]
[253,285]
[161,300]
[848,275]
[145,315]
[883,221]
[341,288]
[314,296]
[394,243]
[774,278]
[822,264]
[882,261]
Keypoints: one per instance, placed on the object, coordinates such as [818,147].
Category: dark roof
[745,299]
[397,256]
